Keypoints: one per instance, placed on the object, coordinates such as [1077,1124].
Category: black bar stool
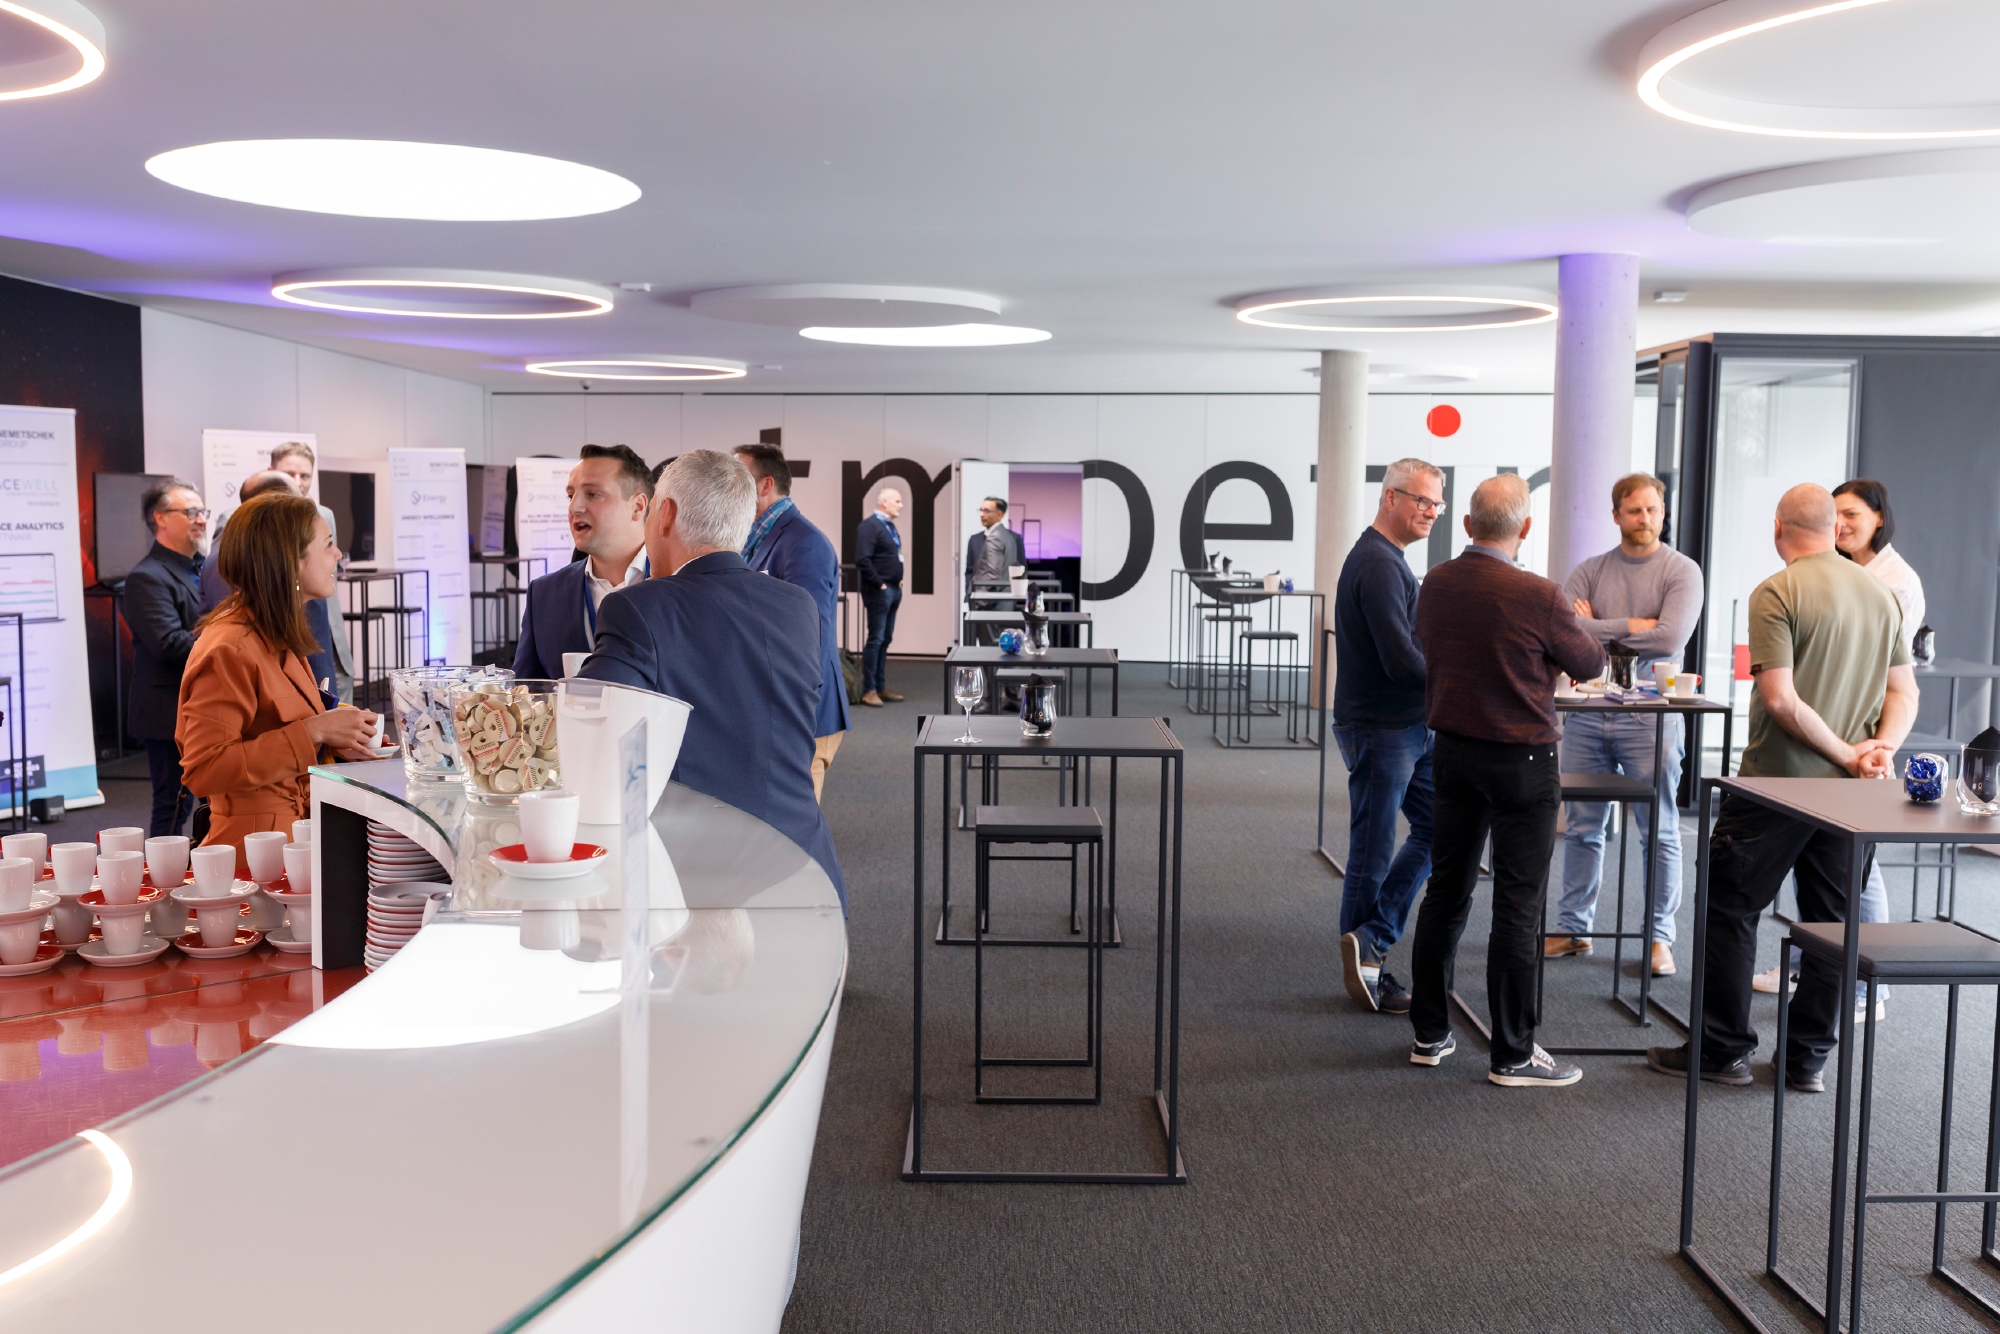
[1281,668]
[1081,830]
[1215,659]
[1937,954]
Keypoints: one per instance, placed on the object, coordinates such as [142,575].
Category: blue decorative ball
[1010,641]
[1923,778]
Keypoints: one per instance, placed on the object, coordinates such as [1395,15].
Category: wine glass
[968,687]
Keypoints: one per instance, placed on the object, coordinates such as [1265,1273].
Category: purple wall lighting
[1045,506]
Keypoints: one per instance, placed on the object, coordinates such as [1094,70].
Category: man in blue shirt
[878,559]
[1378,722]
[784,543]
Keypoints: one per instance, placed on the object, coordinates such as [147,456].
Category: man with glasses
[162,604]
[1378,722]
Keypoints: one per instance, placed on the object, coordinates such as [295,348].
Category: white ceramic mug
[72,921]
[125,838]
[21,941]
[304,831]
[167,860]
[299,867]
[214,869]
[265,852]
[218,924]
[17,884]
[76,864]
[548,823]
[299,914]
[1687,685]
[119,874]
[1663,675]
[124,932]
[35,847]
[573,663]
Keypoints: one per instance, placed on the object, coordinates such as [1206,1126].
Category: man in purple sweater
[1494,638]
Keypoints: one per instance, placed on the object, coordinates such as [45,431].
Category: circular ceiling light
[1896,199]
[1416,307]
[445,294]
[382,178]
[1852,69]
[936,335]
[1423,375]
[641,366]
[53,46]
[845,306]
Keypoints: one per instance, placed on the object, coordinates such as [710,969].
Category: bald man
[878,563]
[1835,695]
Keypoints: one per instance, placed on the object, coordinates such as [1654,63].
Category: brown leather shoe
[1663,959]
[1556,947]
[890,696]
[872,700]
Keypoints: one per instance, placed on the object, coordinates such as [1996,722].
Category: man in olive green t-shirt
[1835,696]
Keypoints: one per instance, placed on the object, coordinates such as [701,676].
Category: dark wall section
[64,350]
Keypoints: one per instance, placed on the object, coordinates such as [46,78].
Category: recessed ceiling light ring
[930,335]
[1478,308]
[74,25]
[429,294]
[641,366]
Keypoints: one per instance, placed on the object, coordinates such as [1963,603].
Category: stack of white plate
[395,914]
[394,859]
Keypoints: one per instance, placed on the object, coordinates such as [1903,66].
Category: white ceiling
[1119,173]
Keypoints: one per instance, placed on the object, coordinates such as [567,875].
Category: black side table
[1078,739]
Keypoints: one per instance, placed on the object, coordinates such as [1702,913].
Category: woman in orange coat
[251,716]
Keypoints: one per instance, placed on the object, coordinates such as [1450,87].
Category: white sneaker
[1861,1010]
[1767,981]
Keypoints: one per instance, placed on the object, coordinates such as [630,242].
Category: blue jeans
[1597,743]
[1388,769]
[1874,908]
[881,603]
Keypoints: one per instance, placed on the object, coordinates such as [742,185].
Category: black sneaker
[1360,971]
[1805,1081]
[1540,1070]
[1391,997]
[1674,1061]
[1431,1053]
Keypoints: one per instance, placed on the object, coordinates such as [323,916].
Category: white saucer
[522,869]
[282,939]
[191,895]
[1571,699]
[191,944]
[150,947]
[46,957]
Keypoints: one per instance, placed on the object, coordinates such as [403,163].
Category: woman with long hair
[1863,525]
[251,716]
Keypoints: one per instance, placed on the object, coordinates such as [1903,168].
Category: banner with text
[41,581]
[427,520]
[541,514]
[230,458]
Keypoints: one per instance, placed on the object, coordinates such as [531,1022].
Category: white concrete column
[1341,510]
[1596,338]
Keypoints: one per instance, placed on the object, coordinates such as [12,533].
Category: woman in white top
[1864,524]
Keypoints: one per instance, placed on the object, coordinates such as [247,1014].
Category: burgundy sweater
[1494,638]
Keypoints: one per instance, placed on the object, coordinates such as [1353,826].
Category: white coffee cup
[299,867]
[1663,675]
[1687,685]
[125,838]
[304,831]
[75,865]
[218,925]
[573,663]
[123,932]
[119,875]
[72,921]
[35,847]
[167,860]
[214,869]
[548,823]
[17,885]
[265,852]
[299,915]
[20,941]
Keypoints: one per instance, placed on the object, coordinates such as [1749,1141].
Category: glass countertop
[471,1131]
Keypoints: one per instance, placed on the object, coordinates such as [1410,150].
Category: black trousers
[170,805]
[1750,850]
[1512,792]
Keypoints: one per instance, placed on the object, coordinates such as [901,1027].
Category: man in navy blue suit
[610,491]
[784,544]
[878,559]
[741,649]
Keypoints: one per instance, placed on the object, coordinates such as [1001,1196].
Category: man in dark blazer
[162,604]
[741,649]
[878,560]
[784,544]
[610,491]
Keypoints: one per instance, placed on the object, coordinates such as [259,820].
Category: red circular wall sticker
[1443,420]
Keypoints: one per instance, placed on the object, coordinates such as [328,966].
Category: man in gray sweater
[1648,597]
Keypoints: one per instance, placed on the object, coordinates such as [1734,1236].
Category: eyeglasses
[193,512]
[1423,503]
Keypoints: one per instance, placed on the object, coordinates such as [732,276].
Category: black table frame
[399,612]
[1111,739]
[1860,842]
[1089,661]
[1015,619]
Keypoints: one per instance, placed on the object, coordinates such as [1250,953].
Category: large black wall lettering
[921,554]
[1139,530]
[1195,529]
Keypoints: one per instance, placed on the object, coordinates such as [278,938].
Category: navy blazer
[743,650]
[162,604]
[797,552]
[554,624]
[877,556]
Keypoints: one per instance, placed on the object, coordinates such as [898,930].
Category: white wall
[1169,440]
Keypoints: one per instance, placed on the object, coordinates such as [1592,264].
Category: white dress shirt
[634,572]
[1895,572]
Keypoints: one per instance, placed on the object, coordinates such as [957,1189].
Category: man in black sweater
[1378,722]
[878,561]
[162,605]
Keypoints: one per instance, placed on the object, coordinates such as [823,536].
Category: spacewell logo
[426,497]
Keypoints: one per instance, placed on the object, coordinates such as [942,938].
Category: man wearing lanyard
[784,544]
[878,559]
[610,491]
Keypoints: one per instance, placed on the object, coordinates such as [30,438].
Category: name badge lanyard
[590,608]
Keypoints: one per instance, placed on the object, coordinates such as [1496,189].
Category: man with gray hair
[1378,722]
[740,648]
[1494,638]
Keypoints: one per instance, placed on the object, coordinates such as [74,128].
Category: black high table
[1090,661]
[1003,620]
[1080,739]
[1865,813]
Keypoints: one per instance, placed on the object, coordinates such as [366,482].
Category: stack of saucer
[394,859]
[395,913]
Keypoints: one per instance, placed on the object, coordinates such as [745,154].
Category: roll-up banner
[427,522]
[230,458]
[41,579]
[541,514]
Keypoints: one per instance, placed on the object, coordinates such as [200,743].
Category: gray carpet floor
[1333,1185]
